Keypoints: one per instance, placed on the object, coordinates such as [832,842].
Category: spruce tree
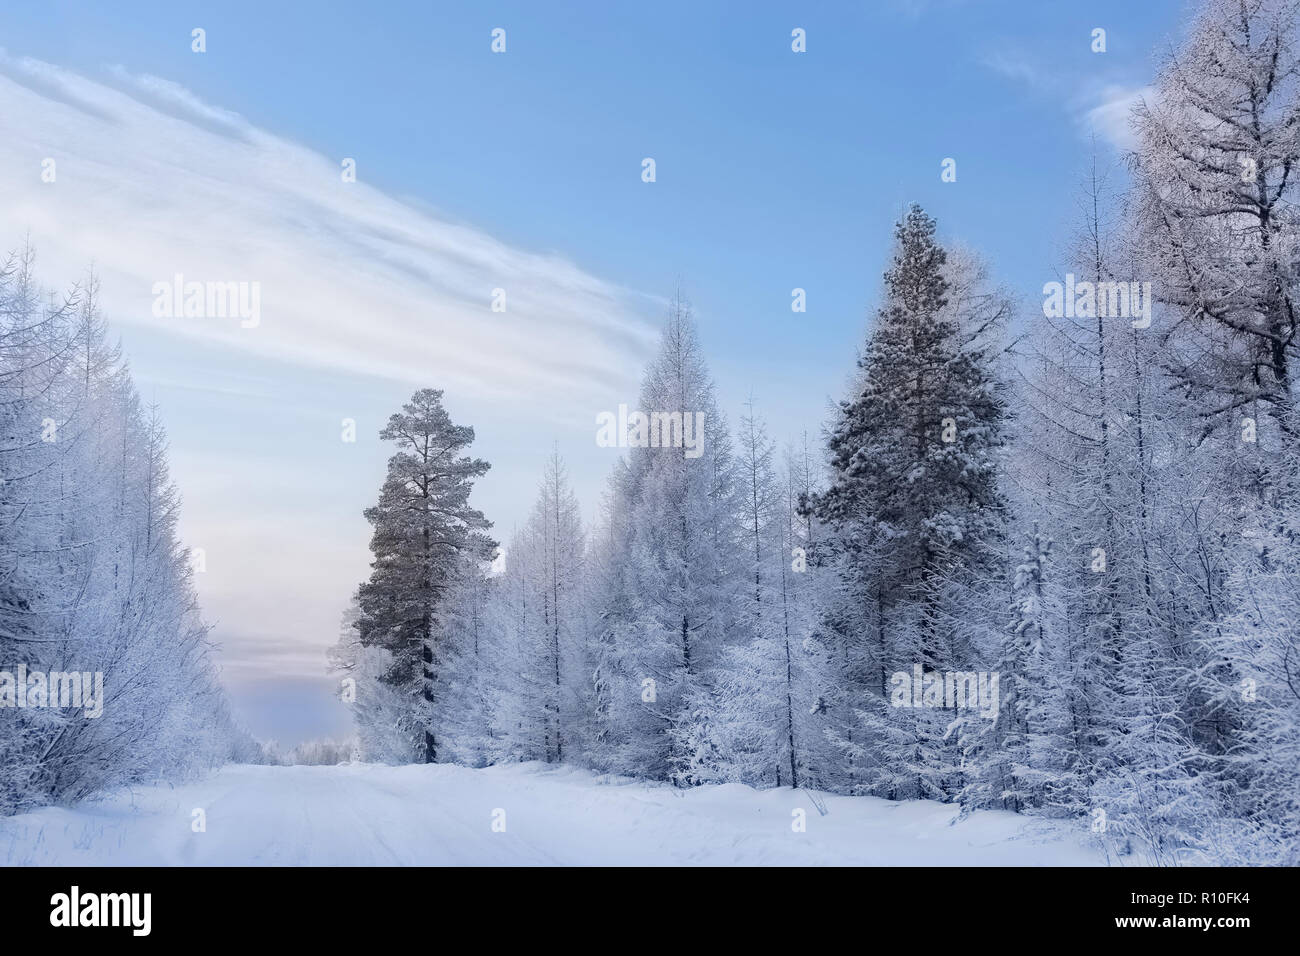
[913,501]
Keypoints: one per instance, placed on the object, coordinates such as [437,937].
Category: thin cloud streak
[151,183]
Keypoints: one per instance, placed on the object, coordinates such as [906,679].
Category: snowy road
[443,815]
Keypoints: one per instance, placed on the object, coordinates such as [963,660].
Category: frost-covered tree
[559,530]
[1260,643]
[762,678]
[1021,760]
[672,568]
[614,694]
[1214,224]
[1107,463]
[426,539]
[93,578]
[913,502]
[1216,190]
[543,626]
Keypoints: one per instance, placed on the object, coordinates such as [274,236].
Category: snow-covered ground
[365,814]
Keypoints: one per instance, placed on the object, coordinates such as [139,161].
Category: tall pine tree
[426,538]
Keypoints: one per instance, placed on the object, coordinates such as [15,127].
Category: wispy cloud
[1100,105]
[152,182]
[1015,66]
[1110,115]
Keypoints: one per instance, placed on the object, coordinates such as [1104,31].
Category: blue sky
[520,170]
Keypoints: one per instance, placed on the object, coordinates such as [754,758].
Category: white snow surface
[369,814]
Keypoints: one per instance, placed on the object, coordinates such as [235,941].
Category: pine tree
[426,539]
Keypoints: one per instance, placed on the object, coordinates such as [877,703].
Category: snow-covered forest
[1099,505]
[1041,556]
[93,580]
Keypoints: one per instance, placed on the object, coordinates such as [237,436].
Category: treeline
[95,591]
[1099,508]
[323,752]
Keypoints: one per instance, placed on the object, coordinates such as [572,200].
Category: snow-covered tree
[1217,221]
[94,582]
[426,539]
[543,626]
[673,566]
[913,502]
